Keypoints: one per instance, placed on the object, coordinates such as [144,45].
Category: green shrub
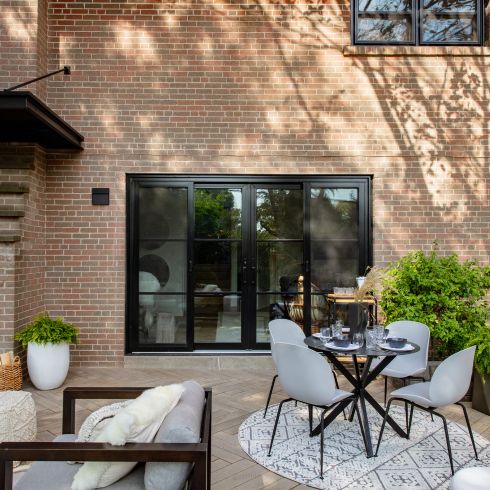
[445,294]
[44,329]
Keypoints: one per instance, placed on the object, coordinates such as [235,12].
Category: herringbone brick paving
[236,394]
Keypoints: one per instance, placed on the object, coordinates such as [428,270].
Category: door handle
[244,271]
[254,273]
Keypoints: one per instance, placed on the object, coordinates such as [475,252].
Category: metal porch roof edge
[25,118]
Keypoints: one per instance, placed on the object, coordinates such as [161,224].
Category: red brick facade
[232,87]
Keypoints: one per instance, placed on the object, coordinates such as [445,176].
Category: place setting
[337,338]
[373,445]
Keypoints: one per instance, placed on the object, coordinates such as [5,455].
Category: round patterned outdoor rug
[421,462]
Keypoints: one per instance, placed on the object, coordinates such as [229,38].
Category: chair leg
[409,428]
[450,454]
[337,386]
[448,445]
[270,394]
[469,428]
[310,418]
[406,415]
[275,423]
[322,437]
[383,426]
[386,389]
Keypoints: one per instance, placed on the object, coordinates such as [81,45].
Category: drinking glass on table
[337,329]
[379,332]
[358,339]
[370,338]
[326,333]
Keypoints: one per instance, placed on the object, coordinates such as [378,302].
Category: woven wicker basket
[11,376]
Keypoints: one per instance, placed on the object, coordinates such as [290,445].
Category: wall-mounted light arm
[66,71]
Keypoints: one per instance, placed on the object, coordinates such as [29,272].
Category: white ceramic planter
[48,364]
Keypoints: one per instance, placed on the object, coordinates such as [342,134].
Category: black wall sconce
[66,71]
[100,196]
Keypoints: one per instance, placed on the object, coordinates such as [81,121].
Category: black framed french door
[212,259]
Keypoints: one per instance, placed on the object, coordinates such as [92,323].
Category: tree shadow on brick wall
[437,116]
[267,79]
[441,126]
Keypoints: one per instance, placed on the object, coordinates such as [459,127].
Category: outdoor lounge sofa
[50,470]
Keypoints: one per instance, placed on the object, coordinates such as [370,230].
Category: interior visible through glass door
[279,256]
[217,288]
[162,266]
[335,250]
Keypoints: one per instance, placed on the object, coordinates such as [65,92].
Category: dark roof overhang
[26,119]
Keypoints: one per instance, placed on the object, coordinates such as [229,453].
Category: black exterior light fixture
[26,119]
[66,71]
[100,196]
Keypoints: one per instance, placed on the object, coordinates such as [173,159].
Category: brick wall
[23,31]
[42,48]
[7,296]
[22,238]
[30,263]
[252,87]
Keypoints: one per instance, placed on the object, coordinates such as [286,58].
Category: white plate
[331,345]
[318,335]
[405,348]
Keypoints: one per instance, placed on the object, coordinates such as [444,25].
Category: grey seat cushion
[58,475]
[182,424]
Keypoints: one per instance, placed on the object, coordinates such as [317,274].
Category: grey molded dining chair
[409,366]
[449,384]
[284,330]
[316,388]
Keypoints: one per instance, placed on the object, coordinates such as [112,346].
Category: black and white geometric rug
[419,463]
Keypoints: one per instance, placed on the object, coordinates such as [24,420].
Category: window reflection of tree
[440,20]
[279,213]
[335,212]
[217,215]
[279,216]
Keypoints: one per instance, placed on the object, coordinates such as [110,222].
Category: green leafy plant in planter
[447,295]
[48,355]
[44,329]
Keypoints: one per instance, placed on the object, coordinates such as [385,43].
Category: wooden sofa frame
[197,453]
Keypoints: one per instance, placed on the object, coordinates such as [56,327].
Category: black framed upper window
[418,22]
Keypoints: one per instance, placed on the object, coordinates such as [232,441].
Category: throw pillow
[96,421]
[182,425]
[139,421]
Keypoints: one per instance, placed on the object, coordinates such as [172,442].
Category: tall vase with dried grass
[371,287]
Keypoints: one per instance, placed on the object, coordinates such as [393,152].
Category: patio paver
[236,394]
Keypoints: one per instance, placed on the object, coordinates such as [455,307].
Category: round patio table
[361,378]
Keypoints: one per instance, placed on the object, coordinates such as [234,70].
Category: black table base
[360,381]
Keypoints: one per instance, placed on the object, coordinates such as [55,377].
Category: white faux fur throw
[138,422]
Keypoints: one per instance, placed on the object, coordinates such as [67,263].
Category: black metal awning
[26,119]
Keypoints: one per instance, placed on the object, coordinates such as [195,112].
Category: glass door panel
[217,286]
[162,266]
[334,232]
[212,259]
[278,255]
[335,245]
